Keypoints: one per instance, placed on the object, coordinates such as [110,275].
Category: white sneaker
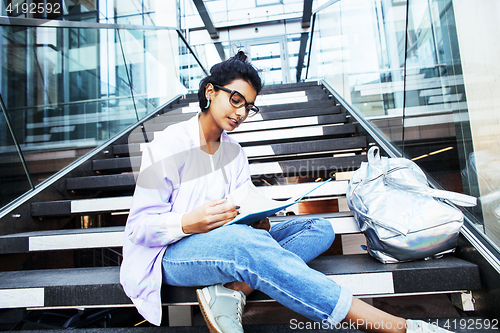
[420,326]
[222,308]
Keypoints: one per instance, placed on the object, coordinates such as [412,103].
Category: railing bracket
[464,301]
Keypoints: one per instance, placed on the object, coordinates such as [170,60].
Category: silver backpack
[402,217]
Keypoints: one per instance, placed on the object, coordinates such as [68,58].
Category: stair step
[321,167]
[73,239]
[253,152]
[134,148]
[65,239]
[316,146]
[270,135]
[118,204]
[296,106]
[81,206]
[266,101]
[120,164]
[290,123]
[319,109]
[140,135]
[276,88]
[298,166]
[302,95]
[162,121]
[103,183]
[257,123]
[363,275]
[293,134]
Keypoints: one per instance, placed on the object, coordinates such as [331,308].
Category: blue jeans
[273,262]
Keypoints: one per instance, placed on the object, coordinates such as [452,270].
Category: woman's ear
[209,90]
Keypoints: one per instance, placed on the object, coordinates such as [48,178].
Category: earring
[208,103]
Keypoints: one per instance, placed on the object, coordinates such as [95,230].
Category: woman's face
[225,115]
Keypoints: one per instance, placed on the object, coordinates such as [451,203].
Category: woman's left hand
[262,224]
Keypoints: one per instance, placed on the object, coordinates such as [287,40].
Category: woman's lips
[233,121]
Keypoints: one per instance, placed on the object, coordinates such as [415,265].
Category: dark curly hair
[223,73]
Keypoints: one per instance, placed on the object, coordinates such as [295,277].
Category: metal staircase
[301,135]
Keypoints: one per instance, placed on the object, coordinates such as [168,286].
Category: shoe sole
[209,319]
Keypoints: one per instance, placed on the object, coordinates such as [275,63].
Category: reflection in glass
[267,58]
[13,180]
[417,88]
[68,90]
[355,50]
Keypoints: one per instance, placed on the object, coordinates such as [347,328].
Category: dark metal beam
[192,52]
[220,50]
[302,52]
[205,16]
[306,16]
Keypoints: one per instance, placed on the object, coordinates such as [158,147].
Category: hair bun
[241,56]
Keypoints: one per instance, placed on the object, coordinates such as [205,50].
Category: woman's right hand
[208,216]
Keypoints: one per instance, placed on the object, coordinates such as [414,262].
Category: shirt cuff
[174,225]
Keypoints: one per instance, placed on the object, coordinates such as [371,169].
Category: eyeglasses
[237,100]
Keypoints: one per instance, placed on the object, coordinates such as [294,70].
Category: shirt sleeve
[151,221]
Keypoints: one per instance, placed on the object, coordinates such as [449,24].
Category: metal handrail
[391,150]
[310,44]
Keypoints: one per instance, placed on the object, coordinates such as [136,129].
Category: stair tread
[149,132]
[67,239]
[271,150]
[300,165]
[305,167]
[100,285]
[279,111]
[113,204]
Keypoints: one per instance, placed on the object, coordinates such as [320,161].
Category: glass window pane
[267,57]
[68,90]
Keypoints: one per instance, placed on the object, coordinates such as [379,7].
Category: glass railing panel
[190,71]
[13,179]
[462,32]
[435,94]
[67,90]
[293,45]
[325,59]
[450,116]
[351,52]
[421,81]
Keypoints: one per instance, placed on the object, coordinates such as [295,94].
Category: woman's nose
[241,111]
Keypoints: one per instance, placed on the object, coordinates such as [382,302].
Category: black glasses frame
[250,108]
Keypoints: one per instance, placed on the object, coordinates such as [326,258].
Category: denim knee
[306,237]
[325,228]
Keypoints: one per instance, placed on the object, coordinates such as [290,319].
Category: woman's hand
[208,216]
[262,224]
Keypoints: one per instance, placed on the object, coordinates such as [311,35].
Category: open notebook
[255,206]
